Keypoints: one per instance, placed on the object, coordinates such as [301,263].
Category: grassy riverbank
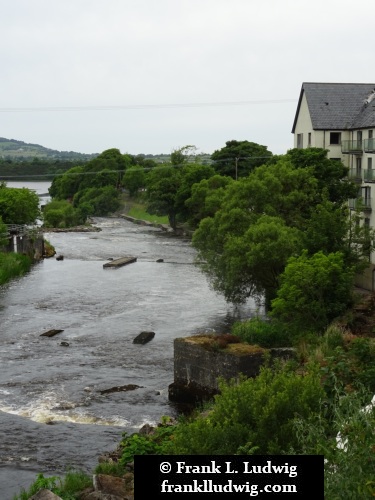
[136,207]
[13,265]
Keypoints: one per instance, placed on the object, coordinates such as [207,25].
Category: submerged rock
[121,388]
[144,337]
[51,333]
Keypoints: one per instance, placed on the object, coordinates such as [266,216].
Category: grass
[67,488]
[137,208]
[139,212]
[13,265]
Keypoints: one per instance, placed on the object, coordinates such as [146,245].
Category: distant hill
[11,149]
[19,150]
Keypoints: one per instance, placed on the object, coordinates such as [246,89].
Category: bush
[60,213]
[256,414]
[263,333]
[347,444]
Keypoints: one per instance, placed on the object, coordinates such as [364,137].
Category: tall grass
[67,488]
[13,265]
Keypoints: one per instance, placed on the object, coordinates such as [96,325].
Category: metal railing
[20,229]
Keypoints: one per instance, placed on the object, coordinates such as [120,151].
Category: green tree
[191,174]
[332,175]
[314,290]
[162,186]
[18,206]
[61,213]
[134,179]
[239,158]
[206,198]
[103,200]
[182,155]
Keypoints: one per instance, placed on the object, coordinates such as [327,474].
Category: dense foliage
[18,205]
[272,215]
[238,158]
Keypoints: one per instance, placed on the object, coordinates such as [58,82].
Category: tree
[162,186]
[239,158]
[61,213]
[181,155]
[168,189]
[134,179]
[248,263]
[18,205]
[331,175]
[314,290]
[206,198]
[191,174]
[103,200]
[271,215]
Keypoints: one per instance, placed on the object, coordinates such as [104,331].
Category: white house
[340,117]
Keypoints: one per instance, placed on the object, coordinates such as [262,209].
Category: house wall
[304,125]
[321,139]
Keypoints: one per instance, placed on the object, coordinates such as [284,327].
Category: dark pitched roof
[338,106]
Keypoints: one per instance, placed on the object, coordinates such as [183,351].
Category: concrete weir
[201,361]
[123,261]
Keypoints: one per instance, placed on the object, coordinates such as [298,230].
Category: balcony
[352,147]
[362,204]
[369,145]
[369,175]
[355,175]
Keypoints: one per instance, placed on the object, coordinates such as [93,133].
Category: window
[369,163]
[300,141]
[366,196]
[309,140]
[359,135]
[335,137]
[370,134]
[358,165]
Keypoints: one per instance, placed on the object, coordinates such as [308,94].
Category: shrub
[264,333]
[256,413]
[348,446]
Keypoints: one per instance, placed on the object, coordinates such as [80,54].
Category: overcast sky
[150,76]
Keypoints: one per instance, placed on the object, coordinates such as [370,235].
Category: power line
[120,107]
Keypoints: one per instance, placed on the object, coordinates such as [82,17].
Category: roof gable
[338,106]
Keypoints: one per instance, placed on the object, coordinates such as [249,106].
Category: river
[53,414]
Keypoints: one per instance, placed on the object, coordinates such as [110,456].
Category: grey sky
[86,55]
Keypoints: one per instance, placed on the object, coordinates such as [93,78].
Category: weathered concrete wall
[199,364]
[198,367]
[24,244]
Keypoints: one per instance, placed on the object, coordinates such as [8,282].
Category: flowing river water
[53,412]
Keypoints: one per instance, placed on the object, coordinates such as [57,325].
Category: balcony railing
[360,204]
[369,175]
[355,174]
[352,147]
[369,145]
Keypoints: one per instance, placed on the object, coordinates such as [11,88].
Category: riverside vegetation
[279,229]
